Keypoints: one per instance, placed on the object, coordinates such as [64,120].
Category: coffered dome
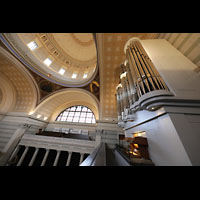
[68,59]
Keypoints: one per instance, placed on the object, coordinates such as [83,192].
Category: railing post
[23,156]
[34,156]
[69,158]
[57,157]
[81,159]
[12,143]
[45,157]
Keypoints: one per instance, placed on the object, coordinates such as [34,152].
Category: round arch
[50,107]
[9,94]
[23,88]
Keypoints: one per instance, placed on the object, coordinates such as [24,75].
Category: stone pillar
[57,157]
[34,156]
[23,156]
[14,153]
[69,158]
[12,143]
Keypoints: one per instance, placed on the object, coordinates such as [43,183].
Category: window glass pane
[77,113]
[75,119]
[89,114]
[83,114]
[65,114]
[69,119]
[73,108]
[82,120]
[58,119]
[71,114]
[84,109]
[78,108]
[63,118]
[88,120]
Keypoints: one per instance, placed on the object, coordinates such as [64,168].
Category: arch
[17,44]
[25,87]
[9,94]
[78,114]
[58,101]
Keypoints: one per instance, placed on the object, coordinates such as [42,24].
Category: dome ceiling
[68,59]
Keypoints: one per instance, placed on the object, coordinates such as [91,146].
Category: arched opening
[78,114]
[56,103]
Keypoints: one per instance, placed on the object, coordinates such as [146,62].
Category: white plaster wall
[10,123]
[188,128]
[176,69]
[165,147]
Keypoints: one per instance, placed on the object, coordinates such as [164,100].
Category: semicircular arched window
[79,114]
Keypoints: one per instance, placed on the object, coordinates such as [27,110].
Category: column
[13,155]
[45,157]
[12,143]
[16,136]
[57,157]
[81,159]
[23,156]
[34,156]
[69,158]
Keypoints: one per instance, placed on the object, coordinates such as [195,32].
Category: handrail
[97,157]
[62,144]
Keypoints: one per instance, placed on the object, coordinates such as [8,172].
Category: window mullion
[72,112]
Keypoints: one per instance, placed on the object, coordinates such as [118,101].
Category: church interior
[99,99]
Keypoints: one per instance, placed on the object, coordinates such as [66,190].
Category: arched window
[81,114]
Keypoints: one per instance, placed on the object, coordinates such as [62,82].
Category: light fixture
[85,75]
[30,113]
[45,118]
[38,116]
[61,71]
[32,45]
[74,75]
[47,61]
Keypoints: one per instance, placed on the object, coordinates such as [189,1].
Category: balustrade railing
[38,142]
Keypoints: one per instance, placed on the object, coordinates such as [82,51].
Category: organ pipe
[145,76]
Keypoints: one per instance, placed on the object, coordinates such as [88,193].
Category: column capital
[131,40]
